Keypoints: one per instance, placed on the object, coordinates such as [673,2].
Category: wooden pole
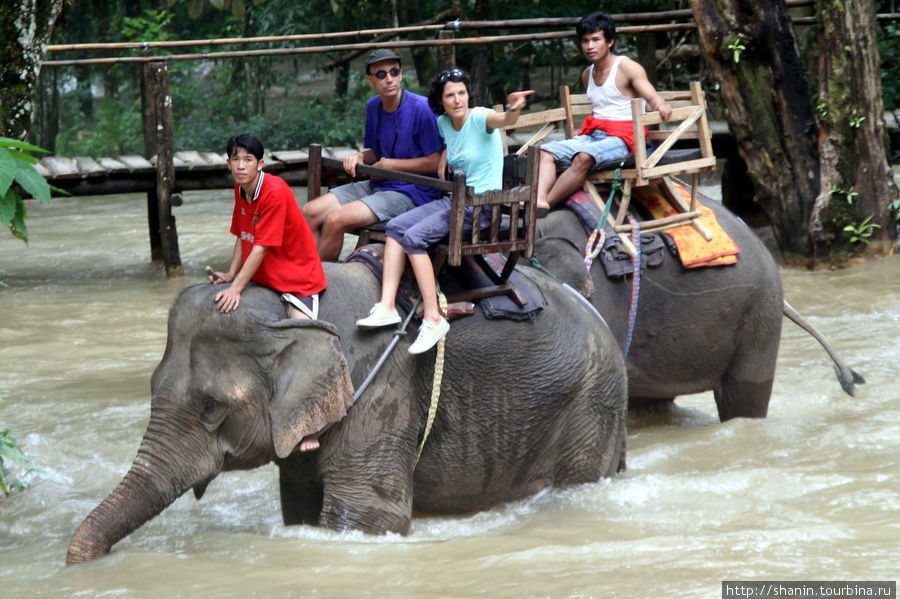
[446,54]
[148,121]
[159,97]
[314,172]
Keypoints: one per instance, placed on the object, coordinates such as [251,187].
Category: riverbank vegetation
[805,109]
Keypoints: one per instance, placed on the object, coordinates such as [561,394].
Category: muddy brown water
[810,493]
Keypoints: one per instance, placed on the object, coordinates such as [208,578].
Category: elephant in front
[695,330]
[523,406]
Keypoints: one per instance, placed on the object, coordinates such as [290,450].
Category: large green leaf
[7,170]
[32,182]
[8,206]
[8,142]
[12,214]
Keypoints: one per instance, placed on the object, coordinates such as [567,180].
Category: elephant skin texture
[523,406]
[696,330]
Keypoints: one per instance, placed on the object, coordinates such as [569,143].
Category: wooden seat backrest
[687,122]
[518,204]
[544,121]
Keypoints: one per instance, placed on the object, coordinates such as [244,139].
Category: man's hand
[350,163]
[442,166]
[665,111]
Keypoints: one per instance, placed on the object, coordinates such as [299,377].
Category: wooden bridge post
[159,139]
[446,54]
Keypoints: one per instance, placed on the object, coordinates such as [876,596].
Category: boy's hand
[216,277]
[228,300]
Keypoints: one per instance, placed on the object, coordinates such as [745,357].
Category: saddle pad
[693,249]
[614,258]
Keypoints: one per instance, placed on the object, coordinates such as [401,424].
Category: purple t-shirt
[408,132]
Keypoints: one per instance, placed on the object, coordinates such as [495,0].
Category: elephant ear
[312,383]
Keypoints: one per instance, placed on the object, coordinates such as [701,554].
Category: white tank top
[607,101]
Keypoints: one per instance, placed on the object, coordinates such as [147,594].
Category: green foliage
[849,194]
[16,167]
[889,50]
[153,25]
[736,47]
[206,116]
[10,454]
[894,208]
[862,232]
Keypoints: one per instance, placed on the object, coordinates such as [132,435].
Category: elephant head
[233,391]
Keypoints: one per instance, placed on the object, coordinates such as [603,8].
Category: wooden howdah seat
[688,124]
[509,215]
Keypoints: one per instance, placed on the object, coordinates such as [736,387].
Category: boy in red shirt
[275,246]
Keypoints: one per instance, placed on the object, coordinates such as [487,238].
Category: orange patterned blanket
[693,249]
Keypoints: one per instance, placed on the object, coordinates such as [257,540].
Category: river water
[810,493]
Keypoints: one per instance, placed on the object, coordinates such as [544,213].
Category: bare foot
[309,443]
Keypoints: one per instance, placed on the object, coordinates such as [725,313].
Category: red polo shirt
[272,218]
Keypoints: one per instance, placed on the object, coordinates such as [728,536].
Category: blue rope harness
[636,281]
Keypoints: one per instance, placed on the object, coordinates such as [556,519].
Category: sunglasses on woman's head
[382,74]
[451,73]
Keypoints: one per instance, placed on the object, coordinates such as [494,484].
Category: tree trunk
[804,168]
[26,27]
[751,52]
[856,182]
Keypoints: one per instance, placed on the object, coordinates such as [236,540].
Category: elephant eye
[212,412]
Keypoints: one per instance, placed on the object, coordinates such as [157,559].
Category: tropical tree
[816,153]
[26,28]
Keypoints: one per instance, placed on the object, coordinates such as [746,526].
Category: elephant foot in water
[743,399]
[339,515]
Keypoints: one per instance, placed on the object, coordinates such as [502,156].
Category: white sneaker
[429,334]
[379,316]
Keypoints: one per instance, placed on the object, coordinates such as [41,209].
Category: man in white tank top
[611,82]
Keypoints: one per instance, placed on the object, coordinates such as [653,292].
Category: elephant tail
[847,377]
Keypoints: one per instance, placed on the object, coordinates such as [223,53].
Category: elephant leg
[373,517]
[745,387]
[742,398]
[301,493]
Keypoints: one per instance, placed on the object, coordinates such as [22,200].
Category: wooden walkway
[83,175]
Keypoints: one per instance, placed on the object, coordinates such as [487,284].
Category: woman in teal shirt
[473,145]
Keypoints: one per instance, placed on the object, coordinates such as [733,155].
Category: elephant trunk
[154,481]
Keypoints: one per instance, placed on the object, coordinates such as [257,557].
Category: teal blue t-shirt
[475,150]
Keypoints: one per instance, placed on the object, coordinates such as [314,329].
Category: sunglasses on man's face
[382,74]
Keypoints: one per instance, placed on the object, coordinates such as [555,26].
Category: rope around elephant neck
[598,235]
[436,380]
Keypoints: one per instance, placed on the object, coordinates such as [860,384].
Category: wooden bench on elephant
[510,218]
[688,123]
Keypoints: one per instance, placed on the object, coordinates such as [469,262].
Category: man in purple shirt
[401,134]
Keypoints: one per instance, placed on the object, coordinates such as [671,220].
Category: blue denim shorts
[599,145]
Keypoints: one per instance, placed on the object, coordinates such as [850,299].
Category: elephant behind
[696,330]
[523,406]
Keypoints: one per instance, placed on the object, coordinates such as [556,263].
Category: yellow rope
[436,381]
